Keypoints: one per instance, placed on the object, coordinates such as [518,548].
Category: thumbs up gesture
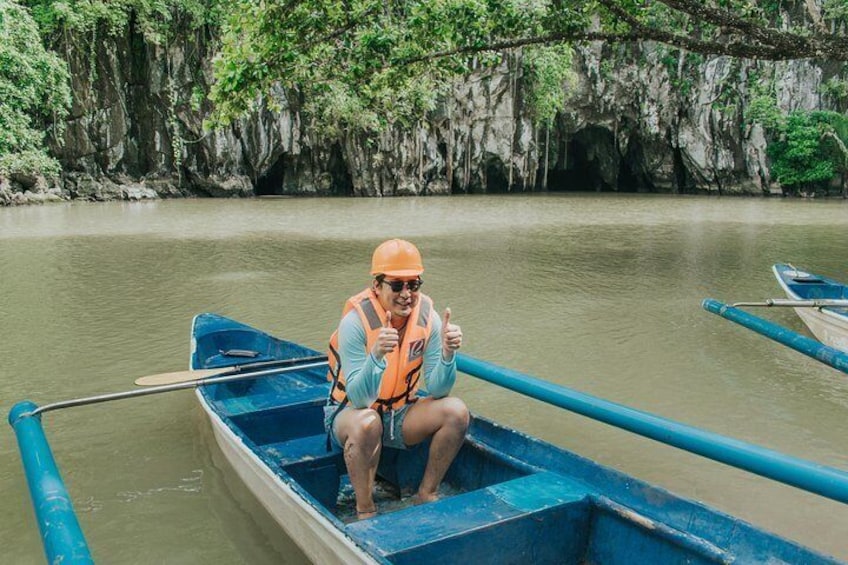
[387,339]
[451,336]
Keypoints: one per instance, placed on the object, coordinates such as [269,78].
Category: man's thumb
[388,319]
[446,318]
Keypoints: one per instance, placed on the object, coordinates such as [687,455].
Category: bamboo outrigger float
[514,498]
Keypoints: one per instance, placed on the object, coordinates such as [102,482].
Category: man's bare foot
[365,514]
[424,498]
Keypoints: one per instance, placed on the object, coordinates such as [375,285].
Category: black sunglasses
[397,286]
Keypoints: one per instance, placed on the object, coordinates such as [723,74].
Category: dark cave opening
[341,181]
[271,181]
[591,161]
[297,171]
[497,181]
[685,183]
[631,171]
[578,167]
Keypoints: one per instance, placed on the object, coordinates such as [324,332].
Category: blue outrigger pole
[826,481]
[803,344]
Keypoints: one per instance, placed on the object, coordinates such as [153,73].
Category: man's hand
[387,340]
[451,336]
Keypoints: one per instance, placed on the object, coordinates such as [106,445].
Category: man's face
[396,299]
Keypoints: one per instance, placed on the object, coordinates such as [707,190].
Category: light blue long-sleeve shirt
[363,372]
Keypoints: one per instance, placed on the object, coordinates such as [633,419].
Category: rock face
[640,119]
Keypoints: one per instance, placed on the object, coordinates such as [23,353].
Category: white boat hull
[319,539]
[829,327]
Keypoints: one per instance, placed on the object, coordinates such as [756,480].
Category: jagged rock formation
[641,119]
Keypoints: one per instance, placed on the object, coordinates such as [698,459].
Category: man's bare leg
[360,431]
[446,421]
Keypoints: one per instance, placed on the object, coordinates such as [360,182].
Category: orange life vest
[403,365]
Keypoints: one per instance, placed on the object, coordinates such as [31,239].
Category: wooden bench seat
[546,514]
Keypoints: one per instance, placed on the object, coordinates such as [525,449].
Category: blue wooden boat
[822,303]
[509,498]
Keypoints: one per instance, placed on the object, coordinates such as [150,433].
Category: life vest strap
[388,403]
[335,369]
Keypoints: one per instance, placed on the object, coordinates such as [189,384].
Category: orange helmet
[397,258]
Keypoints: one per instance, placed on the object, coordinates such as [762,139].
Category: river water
[594,292]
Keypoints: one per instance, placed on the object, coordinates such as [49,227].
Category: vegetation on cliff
[34,94]
[395,54]
[363,64]
[807,149]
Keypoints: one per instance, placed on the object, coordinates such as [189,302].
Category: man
[390,340]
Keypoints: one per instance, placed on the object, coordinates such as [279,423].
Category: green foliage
[797,158]
[154,18]
[34,91]
[29,162]
[836,89]
[810,150]
[835,10]
[363,64]
[682,68]
[762,107]
[549,77]
[807,149]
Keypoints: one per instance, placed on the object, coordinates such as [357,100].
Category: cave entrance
[334,181]
[631,170]
[590,160]
[581,161]
[497,181]
[271,181]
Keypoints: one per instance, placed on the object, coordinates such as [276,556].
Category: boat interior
[508,497]
[494,493]
[812,287]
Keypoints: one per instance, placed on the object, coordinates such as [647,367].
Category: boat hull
[316,537]
[829,325]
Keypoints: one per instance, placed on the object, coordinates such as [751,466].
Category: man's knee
[365,426]
[455,413]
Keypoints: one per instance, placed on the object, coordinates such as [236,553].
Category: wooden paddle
[199,374]
[256,372]
[786,302]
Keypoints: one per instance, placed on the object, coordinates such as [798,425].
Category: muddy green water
[598,293]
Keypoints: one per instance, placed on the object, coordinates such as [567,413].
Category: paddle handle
[194,374]
[169,388]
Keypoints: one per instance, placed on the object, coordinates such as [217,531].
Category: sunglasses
[397,286]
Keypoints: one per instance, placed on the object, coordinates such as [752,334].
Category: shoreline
[28,191]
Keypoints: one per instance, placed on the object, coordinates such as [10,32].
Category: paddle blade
[180,376]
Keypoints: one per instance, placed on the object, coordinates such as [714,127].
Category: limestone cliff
[640,118]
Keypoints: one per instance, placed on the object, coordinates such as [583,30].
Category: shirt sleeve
[439,375]
[362,371]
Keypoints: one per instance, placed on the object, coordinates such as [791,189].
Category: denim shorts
[392,426]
